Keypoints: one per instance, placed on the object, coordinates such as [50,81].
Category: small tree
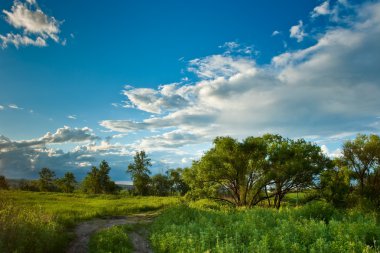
[91,183]
[139,171]
[67,183]
[98,181]
[3,183]
[47,179]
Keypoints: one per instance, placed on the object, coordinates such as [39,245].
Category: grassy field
[40,222]
[317,227]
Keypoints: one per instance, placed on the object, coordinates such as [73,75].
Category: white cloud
[72,117]
[17,40]
[274,33]
[2,107]
[15,107]
[335,154]
[297,31]
[321,10]
[36,26]
[323,90]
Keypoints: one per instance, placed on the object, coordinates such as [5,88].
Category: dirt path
[85,229]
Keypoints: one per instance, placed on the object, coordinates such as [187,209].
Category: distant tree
[67,183]
[107,185]
[46,181]
[160,185]
[139,171]
[91,183]
[28,185]
[98,181]
[178,185]
[3,183]
[362,157]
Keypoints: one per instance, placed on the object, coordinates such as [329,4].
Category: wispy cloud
[15,107]
[72,117]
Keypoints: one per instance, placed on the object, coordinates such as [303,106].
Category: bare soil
[85,229]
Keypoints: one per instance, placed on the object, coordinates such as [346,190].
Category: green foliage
[362,156]
[114,239]
[317,227]
[178,185]
[3,183]
[335,185]
[67,183]
[160,185]
[139,171]
[256,169]
[98,181]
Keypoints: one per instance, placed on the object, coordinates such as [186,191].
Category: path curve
[84,230]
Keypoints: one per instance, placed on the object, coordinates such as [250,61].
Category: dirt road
[85,229]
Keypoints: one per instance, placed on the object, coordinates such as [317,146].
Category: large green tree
[256,169]
[293,165]
[230,171]
[139,171]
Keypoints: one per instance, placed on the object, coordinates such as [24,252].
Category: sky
[82,82]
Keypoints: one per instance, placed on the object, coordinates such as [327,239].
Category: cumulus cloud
[325,89]
[297,31]
[166,98]
[36,26]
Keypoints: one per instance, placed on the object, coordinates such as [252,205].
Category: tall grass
[311,228]
[40,222]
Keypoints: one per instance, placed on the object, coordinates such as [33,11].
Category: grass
[41,221]
[114,239]
[316,227]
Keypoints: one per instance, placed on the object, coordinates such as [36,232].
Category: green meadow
[43,222]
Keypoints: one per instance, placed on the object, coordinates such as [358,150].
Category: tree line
[98,181]
[255,171]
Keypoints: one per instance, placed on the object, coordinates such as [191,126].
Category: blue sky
[81,82]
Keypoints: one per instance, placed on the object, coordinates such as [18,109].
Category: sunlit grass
[314,227]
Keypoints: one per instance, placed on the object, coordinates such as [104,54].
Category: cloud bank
[328,88]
